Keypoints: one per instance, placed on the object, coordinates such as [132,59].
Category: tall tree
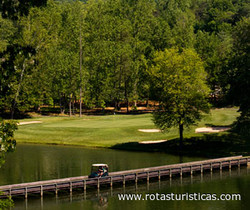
[214,49]
[239,77]
[180,81]
[39,32]
[143,23]
[7,31]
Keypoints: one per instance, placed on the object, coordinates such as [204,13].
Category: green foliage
[242,125]
[240,64]
[215,21]
[214,49]
[216,15]
[7,141]
[40,49]
[14,8]
[6,203]
[183,30]
[180,80]
[7,31]
[239,77]
[7,144]
[117,44]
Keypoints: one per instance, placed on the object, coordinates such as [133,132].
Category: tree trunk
[80,113]
[126,97]
[117,105]
[61,103]
[70,112]
[127,106]
[135,104]
[73,105]
[17,92]
[37,108]
[80,108]
[181,135]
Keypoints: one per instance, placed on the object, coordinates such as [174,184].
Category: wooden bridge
[124,176]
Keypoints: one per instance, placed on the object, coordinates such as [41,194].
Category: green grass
[109,130]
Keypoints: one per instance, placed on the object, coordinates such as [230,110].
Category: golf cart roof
[100,164]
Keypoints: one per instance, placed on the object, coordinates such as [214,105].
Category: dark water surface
[37,162]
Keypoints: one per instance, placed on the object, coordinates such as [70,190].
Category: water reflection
[38,162]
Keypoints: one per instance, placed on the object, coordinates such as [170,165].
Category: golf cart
[99,170]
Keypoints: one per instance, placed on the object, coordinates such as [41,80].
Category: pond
[42,162]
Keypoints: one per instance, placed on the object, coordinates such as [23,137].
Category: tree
[67,61]
[117,39]
[179,79]
[7,30]
[172,9]
[183,30]
[144,25]
[214,50]
[7,141]
[7,144]
[14,8]
[39,30]
[6,203]
[239,77]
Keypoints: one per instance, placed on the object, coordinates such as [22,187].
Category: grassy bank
[109,130]
[206,145]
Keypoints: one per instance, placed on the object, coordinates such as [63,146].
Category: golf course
[109,130]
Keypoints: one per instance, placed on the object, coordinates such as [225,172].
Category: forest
[100,53]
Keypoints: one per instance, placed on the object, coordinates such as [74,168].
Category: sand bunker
[211,129]
[150,130]
[152,142]
[30,122]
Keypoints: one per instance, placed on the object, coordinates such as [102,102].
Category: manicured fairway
[109,130]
